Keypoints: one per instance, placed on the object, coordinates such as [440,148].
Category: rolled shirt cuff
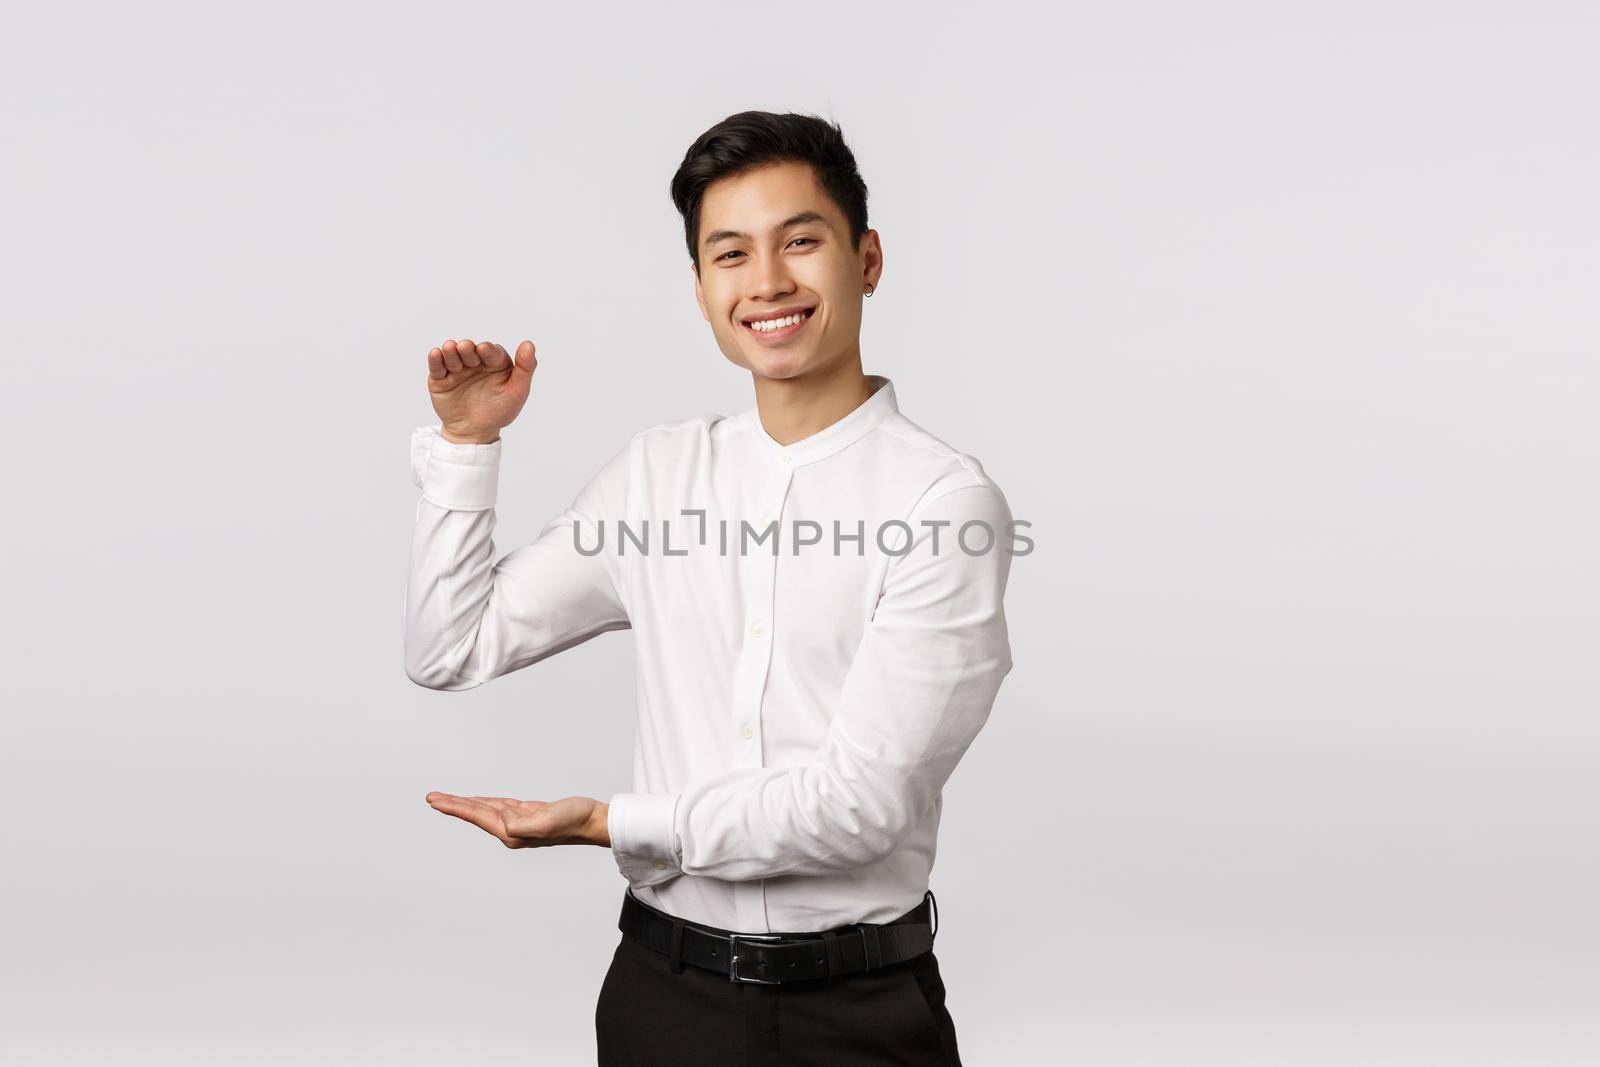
[451,476]
[644,841]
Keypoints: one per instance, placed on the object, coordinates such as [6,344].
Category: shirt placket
[761,570]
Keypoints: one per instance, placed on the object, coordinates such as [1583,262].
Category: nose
[770,279]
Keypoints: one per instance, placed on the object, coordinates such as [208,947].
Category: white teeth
[777,324]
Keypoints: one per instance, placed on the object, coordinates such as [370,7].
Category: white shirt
[799,712]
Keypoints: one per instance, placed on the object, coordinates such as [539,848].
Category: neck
[793,409]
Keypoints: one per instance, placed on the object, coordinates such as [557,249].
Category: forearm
[449,585]
[452,554]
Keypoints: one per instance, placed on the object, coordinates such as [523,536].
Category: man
[799,711]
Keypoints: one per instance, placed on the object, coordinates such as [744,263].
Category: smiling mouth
[783,327]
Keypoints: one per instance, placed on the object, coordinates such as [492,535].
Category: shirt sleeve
[919,689]
[470,617]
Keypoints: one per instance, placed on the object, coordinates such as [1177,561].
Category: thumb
[524,362]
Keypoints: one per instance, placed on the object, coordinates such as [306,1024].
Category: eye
[725,255]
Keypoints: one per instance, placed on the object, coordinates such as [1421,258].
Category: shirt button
[659,865]
[744,731]
[758,629]
[783,457]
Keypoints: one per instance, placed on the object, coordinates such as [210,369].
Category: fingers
[494,357]
[506,806]
[478,814]
[452,357]
[462,354]
[465,354]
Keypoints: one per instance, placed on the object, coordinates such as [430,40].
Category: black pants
[647,1016]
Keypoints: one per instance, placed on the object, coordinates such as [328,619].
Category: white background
[1278,322]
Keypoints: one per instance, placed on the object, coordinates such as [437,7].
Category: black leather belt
[769,959]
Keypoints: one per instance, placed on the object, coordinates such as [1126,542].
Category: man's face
[771,242]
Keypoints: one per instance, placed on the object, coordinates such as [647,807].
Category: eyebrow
[797,219]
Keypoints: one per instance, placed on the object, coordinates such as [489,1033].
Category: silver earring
[869,290]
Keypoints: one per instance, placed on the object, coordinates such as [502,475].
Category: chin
[780,365]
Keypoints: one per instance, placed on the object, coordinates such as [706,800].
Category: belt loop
[675,949]
[870,947]
[830,942]
[934,904]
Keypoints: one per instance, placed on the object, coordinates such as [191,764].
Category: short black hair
[753,139]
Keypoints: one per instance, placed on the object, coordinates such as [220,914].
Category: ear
[871,258]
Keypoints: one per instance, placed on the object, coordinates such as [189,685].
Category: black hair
[753,139]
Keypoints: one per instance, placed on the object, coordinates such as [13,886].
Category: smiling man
[816,591]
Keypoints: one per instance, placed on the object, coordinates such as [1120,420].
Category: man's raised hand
[477,389]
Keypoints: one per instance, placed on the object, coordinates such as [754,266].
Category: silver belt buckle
[733,957]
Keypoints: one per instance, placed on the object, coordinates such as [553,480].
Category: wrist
[469,438]
[598,830]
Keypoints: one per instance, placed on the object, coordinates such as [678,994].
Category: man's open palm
[476,388]
[524,823]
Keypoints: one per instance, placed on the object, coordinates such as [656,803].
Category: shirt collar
[830,439]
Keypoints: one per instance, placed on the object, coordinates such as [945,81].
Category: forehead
[755,200]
